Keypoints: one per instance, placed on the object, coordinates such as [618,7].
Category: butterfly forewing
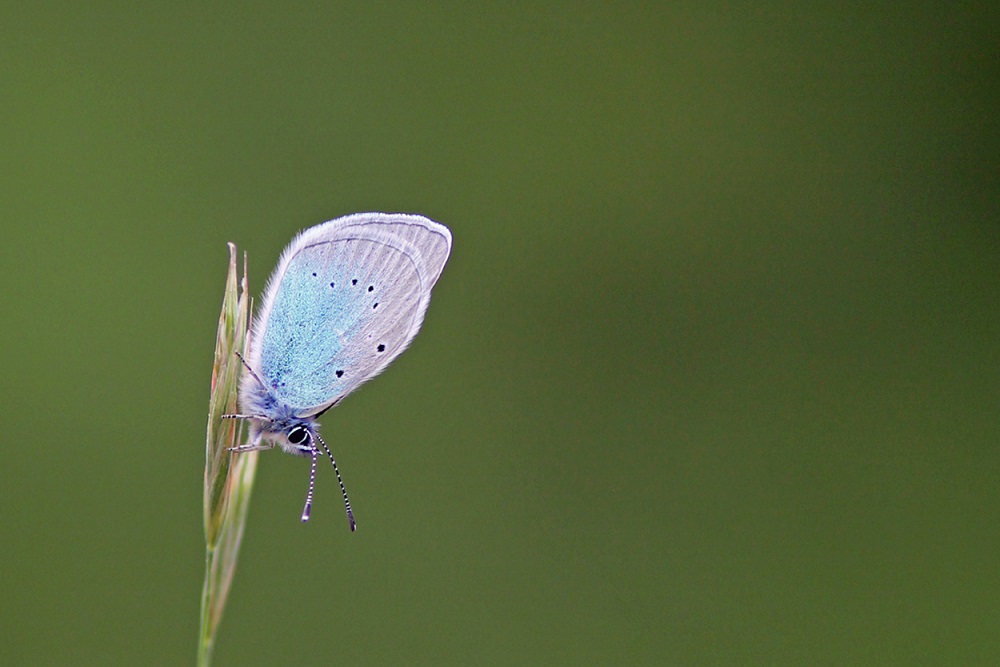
[347,298]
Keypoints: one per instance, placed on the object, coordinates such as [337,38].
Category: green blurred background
[711,378]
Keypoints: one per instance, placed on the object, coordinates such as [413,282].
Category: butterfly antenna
[343,489]
[247,366]
[312,485]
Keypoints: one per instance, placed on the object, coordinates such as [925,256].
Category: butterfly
[346,298]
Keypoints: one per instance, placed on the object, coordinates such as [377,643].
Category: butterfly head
[295,435]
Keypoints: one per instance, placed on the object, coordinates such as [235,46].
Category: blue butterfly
[346,298]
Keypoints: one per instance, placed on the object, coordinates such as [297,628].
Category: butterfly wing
[346,298]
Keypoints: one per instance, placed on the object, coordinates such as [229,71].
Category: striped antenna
[343,490]
[312,485]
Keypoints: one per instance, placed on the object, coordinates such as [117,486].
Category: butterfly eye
[298,435]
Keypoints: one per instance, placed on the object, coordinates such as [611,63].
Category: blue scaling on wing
[343,306]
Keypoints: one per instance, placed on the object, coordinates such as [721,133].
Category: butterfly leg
[251,446]
[248,447]
[254,374]
[261,417]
